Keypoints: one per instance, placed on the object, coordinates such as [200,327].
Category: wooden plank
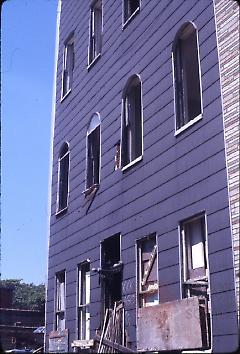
[120,348]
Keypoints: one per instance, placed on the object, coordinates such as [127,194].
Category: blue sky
[28,50]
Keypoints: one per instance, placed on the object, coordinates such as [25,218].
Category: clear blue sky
[28,50]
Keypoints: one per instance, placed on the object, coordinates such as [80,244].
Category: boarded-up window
[147,271]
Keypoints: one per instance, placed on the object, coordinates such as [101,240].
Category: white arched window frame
[93,150]
[187,77]
[63,177]
[132,123]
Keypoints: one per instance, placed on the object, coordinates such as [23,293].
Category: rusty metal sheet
[169,326]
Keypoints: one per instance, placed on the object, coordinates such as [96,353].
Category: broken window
[93,152]
[60,305]
[63,176]
[84,301]
[95,43]
[147,271]
[195,268]
[132,130]
[111,271]
[130,8]
[68,63]
[187,76]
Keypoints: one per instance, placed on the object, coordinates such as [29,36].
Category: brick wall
[227,22]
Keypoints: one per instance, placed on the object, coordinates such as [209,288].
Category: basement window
[147,271]
[68,64]
[95,40]
[195,268]
[132,123]
[63,178]
[93,153]
[188,104]
[60,305]
[130,8]
[84,301]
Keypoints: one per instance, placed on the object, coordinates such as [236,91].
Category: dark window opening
[93,153]
[63,177]
[132,123]
[111,272]
[187,76]
[95,43]
[68,63]
[130,7]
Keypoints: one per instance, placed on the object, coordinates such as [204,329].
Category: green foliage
[26,296]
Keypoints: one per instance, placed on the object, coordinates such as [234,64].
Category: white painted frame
[92,62]
[69,41]
[139,158]
[181,275]
[129,19]
[100,148]
[200,116]
[55,297]
[59,211]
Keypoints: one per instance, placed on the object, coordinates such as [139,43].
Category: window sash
[93,157]
[68,62]
[84,301]
[95,31]
[63,181]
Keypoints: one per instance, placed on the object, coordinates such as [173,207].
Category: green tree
[26,296]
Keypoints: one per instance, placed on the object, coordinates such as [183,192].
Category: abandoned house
[144,225]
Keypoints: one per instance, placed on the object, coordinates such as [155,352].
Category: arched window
[63,176]
[186,75]
[93,152]
[132,130]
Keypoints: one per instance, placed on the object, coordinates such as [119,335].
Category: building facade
[144,209]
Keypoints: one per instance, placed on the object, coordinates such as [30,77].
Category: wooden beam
[110,344]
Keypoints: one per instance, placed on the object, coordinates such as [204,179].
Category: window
[95,43]
[132,131]
[130,8]
[93,152]
[84,301]
[68,63]
[63,177]
[147,272]
[60,301]
[195,269]
[111,271]
[188,104]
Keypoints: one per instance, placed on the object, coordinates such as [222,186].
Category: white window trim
[100,153]
[200,116]
[87,261]
[129,19]
[139,158]
[58,210]
[189,124]
[55,298]
[92,62]
[70,41]
[181,275]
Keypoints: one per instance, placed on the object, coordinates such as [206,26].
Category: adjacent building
[145,178]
